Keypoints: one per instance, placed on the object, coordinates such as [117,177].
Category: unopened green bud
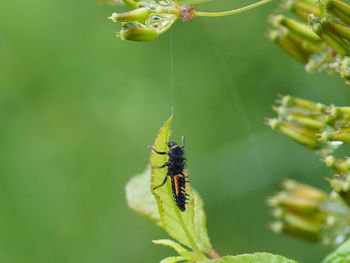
[339,135]
[148,19]
[299,134]
[290,44]
[139,14]
[309,213]
[303,190]
[338,117]
[299,29]
[343,31]
[310,106]
[339,9]
[342,166]
[341,185]
[302,8]
[321,27]
[138,34]
[307,122]
[302,227]
[298,208]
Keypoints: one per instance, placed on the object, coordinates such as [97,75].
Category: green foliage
[139,197]
[253,258]
[340,255]
[188,227]
[178,248]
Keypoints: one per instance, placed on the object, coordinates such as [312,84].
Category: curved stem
[231,12]
[194,2]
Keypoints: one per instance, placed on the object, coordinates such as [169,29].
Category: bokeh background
[78,108]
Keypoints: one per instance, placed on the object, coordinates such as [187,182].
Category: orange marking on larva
[176,182]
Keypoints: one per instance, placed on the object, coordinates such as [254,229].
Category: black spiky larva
[176,171]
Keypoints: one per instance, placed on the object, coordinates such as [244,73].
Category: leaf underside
[140,198]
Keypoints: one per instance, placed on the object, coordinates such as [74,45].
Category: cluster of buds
[319,37]
[311,214]
[303,121]
[320,128]
[149,19]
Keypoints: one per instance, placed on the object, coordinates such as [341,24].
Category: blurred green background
[78,108]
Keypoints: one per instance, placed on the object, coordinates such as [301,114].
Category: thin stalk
[231,12]
[213,254]
[194,2]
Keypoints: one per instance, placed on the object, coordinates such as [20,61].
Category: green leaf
[139,197]
[186,227]
[173,259]
[340,255]
[178,248]
[252,258]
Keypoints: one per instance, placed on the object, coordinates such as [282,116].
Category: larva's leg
[156,150]
[163,183]
[158,167]
[186,178]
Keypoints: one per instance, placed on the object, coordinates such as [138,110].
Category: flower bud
[306,212]
[299,29]
[302,121]
[299,134]
[304,191]
[339,9]
[139,14]
[338,117]
[342,166]
[323,29]
[339,135]
[302,104]
[321,40]
[298,209]
[302,8]
[138,34]
[341,185]
[292,44]
[311,124]
[147,21]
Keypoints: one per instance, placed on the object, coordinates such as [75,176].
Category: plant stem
[231,12]
[213,254]
[190,239]
[194,2]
